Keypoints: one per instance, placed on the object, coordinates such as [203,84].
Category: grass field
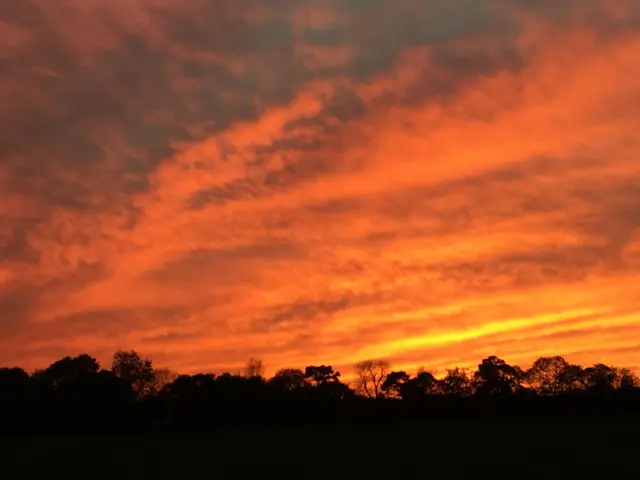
[530,448]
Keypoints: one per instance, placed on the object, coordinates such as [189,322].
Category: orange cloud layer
[432,182]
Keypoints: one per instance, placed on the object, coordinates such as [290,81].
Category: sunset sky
[320,181]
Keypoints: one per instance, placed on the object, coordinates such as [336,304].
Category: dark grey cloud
[541,267]
[115,90]
[18,303]
[171,337]
[115,322]
[23,300]
[64,106]
[234,190]
[14,246]
[63,112]
[607,205]
[302,312]
[224,266]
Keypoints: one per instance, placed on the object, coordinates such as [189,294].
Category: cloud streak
[303,181]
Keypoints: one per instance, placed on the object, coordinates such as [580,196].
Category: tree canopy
[76,393]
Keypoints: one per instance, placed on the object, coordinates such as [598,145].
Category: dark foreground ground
[518,448]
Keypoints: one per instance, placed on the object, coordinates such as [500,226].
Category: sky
[320,181]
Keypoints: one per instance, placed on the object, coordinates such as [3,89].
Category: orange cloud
[314,182]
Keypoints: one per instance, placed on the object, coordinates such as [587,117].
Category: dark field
[540,448]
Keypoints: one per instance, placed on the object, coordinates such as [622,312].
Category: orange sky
[311,181]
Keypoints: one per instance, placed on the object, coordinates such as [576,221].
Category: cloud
[427,180]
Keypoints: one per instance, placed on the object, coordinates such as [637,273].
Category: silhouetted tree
[138,372]
[456,383]
[627,379]
[325,382]
[189,400]
[600,378]
[550,376]
[67,369]
[371,374]
[496,377]
[101,390]
[288,380]
[321,374]
[573,377]
[74,395]
[163,377]
[253,368]
[420,387]
[335,391]
[394,382]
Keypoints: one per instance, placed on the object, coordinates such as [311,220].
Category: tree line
[76,394]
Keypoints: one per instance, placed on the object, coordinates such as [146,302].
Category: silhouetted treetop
[371,375]
[394,383]
[75,393]
[253,368]
[288,380]
[495,376]
[321,374]
[138,372]
[68,368]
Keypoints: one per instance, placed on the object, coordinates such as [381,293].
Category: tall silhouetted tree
[550,375]
[573,377]
[371,374]
[600,378]
[138,372]
[253,368]
[496,377]
[394,383]
[326,383]
[456,383]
